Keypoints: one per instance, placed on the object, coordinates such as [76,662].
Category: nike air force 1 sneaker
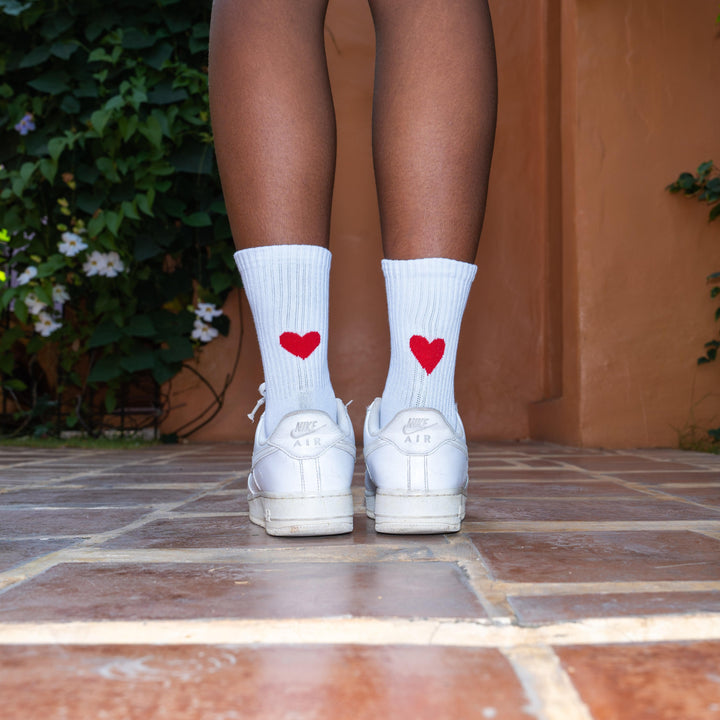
[417,472]
[301,475]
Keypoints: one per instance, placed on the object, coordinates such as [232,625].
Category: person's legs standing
[274,128]
[433,131]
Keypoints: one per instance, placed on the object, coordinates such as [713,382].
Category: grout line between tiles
[540,589]
[546,683]
[469,559]
[564,526]
[14,576]
[445,632]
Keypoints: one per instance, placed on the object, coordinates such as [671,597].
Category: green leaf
[198,219]
[113,221]
[96,224]
[64,49]
[7,363]
[26,171]
[164,94]
[105,334]
[89,202]
[179,348]
[686,181]
[99,119]
[177,22]
[70,105]
[36,56]
[152,131]
[163,372]
[87,174]
[127,126]
[44,295]
[159,54]
[220,281]
[5,299]
[198,45]
[51,265]
[140,360]
[144,204]
[13,384]
[110,400]
[145,248]
[140,326]
[99,55]
[115,103]
[105,369]
[56,146]
[705,168]
[21,311]
[134,39]
[173,206]
[196,158]
[129,210]
[13,7]
[9,337]
[86,88]
[56,23]
[52,83]
[107,167]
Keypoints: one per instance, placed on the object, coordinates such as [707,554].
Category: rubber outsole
[302,515]
[398,513]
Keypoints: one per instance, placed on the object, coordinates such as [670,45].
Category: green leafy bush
[704,186]
[113,231]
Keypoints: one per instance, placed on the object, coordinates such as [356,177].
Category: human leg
[433,130]
[274,130]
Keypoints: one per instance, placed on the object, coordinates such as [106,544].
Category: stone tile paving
[584,584]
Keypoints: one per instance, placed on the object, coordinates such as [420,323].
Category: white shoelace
[260,402]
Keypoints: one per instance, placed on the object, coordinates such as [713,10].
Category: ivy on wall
[704,186]
[115,250]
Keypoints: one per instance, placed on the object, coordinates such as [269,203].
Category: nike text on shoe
[301,475]
[416,472]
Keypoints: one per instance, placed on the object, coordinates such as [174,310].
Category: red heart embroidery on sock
[427,353]
[301,346]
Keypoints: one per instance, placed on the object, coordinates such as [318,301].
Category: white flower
[71,244]
[95,264]
[35,306]
[113,265]
[45,325]
[27,275]
[207,311]
[203,332]
[60,294]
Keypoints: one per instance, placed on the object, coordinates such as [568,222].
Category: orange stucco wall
[638,107]
[589,307]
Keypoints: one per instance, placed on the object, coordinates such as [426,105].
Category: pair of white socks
[287,287]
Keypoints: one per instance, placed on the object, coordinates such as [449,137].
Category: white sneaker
[301,475]
[417,472]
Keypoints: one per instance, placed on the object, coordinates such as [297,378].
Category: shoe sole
[287,515]
[398,513]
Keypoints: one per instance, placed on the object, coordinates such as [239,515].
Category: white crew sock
[287,287]
[426,300]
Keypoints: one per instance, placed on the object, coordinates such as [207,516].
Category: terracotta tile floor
[585,584]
